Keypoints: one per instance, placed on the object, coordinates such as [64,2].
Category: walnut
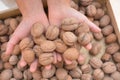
[3,29]
[59,64]
[106,57]
[46,58]
[1,65]
[39,40]
[69,38]
[37,75]
[96,4]
[13,23]
[27,75]
[3,39]
[118,66]
[3,47]
[7,65]
[37,30]
[37,50]
[112,48]
[7,21]
[5,57]
[6,74]
[96,47]
[26,43]
[86,68]
[115,75]
[116,57]
[16,50]
[13,60]
[98,35]
[110,38]
[85,2]
[74,5]
[12,79]
[60,46]
[76,72]
[70,24]
[17,74]
[98,74]
[68,54]
[104,21]
[96,23]
[107,78]
[68,77]
[96,62]
[28,55]
[45,48]
[53,78]
[52,32]
[91,10]
[84,38]
[107,30]
[109,67]
[48,73]
[61,73]
[99,13]
[86,77]
[71,66]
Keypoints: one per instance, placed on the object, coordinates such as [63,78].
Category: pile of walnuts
[66,40]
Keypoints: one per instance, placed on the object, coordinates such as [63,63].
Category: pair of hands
[55,18]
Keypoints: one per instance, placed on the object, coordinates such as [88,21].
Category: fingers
[48,67]
[88,46]
[33,66]
[67,61]
[22,62]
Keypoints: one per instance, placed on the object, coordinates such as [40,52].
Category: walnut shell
[60,46]
[71,54]
[97,23]
[85,2]
[37,50]
[13,23]
[96,47]
[86,68]
[3,39]
[45,48]
[104,21]
[96,4]
[107,30]
[112,48]
[1,65]
[109,67]
[110,38]
[26,43]
[86,77]
[115,75]
[39,40]
[3,29]
[71,66]
[98,35]
[106,57]
[96,62]
[37,29]
[17,74]
[107,78]
[61,73]
[5,57]
[91,10]
[118,66]
[70,24]
[48,73]
[13,60]
[7,65]
[98,74]
[28,55]
[84,38]
[27,74]
[6,74]
[37,75]
[99,13]
[52,32]
[69,38]
[16,50]
[46,58]
[116,57]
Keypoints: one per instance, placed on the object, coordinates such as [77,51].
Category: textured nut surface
[37,75]
[26,43]
[104,21]
[71,66]
[48,46]
[106,57]
[69,38]
[86,77]
[85,2]
[17,74]
[109,67]
[96,4]
[96,47]
[110,38]
[99,13]
[71,54]
[1,65]
[86,68]
[3,39]
[3,29]
[112,48]
[107,78]
[91,10]
[27,75]
[6,74]
[96,62]
[37,50]
[84,38]
[98,74]
[13,60]
[115,75]
[28,55]
[16,50]
[107,30]
[37,29]
[52,32]
[48,73]
[46,58]
[98,35]
[116,57]
[60,46]
[61,73]
[39,40]
[13,23]
[7,65]
[5,57]
[70,24]
[118,66]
